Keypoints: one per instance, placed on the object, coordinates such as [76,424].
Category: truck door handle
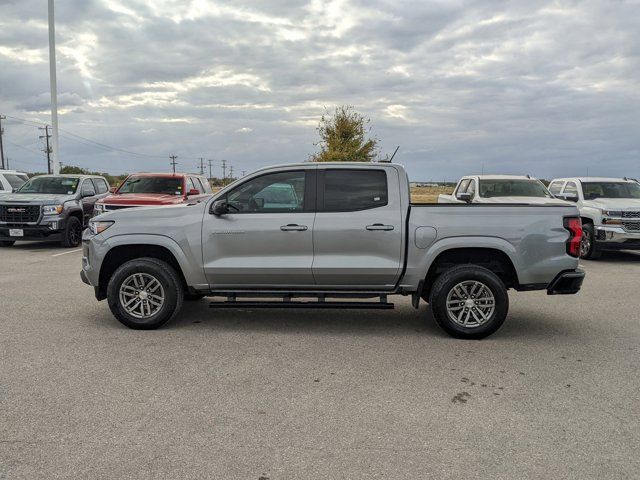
[293,227]
[379,226]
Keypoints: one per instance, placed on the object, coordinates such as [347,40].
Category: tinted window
[594,190]
[555,187]
[88,188]
[55,185]
[274,192]
[14,180]
[346,190]
[166,185]
[571,187]
[512,188]
[101,185]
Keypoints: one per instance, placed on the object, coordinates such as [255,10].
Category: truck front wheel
[469,301]
[145,293]
[588,247]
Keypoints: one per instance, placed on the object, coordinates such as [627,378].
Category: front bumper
[616,238]
[33,232]
[566,283]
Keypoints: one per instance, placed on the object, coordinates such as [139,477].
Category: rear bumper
[566,283]
[616,238]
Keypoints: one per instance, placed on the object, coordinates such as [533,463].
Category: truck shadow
[623,256]
[404,320]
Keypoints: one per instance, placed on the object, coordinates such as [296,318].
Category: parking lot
[296,394]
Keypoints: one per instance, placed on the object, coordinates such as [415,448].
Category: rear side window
[101,185]
[555,187]
[206,187]
[14,180]
[350,190]
[571,187]
[192,185]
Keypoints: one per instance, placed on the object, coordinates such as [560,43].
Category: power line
[47,150]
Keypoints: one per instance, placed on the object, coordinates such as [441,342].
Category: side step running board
[296,304]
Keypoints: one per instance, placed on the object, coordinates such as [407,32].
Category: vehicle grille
[630,214]
[631,226]
[19,213]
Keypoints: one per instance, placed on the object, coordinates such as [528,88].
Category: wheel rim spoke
[141,295]
[470,303]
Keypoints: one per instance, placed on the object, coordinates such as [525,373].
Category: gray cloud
[542,87]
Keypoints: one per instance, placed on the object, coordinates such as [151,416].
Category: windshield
[513,188]
[593,190]
[163,185]
[54,185]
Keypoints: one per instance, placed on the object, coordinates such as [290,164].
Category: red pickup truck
[155,189]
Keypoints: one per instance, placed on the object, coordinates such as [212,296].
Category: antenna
[394,154]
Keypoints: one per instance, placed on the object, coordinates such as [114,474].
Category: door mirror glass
[193,191]
[464,197]
[220,207]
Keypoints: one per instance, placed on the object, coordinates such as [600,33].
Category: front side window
[593,190]
[571,188]
[350,190]
[52,185]
[555,187]
[512,188]
[270,193]
[463,186]
[101,185]
[88,188]
[15,181]
[160,185]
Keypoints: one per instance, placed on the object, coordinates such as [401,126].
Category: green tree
[343,138]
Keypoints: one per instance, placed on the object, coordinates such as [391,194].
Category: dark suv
[57,206]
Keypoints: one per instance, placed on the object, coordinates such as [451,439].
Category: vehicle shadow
[38,245]
[619,256]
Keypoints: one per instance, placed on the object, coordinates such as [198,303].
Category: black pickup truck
[50,206]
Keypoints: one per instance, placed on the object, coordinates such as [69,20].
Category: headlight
[612,213]
[52,209]
[98,227]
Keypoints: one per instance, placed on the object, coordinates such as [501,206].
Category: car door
[88,198]
[357,235]
[266,238]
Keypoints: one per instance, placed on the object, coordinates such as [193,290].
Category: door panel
[360,248]
[266,239]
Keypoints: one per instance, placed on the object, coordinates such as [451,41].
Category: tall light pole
[55,161]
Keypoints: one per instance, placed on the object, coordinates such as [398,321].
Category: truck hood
[34,198]
[142,199]
[529,200]
[614,203]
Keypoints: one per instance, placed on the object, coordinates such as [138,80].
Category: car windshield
[593,190]
[163,185]
[513,188]
[54,185]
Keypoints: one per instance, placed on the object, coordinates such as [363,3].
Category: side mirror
[193,191]
[259,202]
[88,193]
[220,207]
[570,197]
[112,189]
[464,196]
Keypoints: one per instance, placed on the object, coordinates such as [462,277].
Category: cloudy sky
[549,88]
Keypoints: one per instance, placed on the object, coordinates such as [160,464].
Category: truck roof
[165,174]
[594,179]
[501,177]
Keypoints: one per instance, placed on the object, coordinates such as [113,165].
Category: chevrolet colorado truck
[50,206]
[330,235]
[500,189]
[610,211]
[146,189]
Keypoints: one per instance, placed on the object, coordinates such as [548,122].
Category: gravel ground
[313,394]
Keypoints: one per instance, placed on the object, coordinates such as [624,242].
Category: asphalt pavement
[315,394]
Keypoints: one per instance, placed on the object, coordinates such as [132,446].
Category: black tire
[172,289]
[588,247]
[473,329]
[192,297]
[7,243]
[72,235]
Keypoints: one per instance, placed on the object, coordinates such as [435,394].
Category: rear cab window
[352,189]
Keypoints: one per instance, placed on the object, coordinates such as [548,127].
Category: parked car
[500,189]
[11,180]
[349,232]
[50,206]
[610,211]
[153,189]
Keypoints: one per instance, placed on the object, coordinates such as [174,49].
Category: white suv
[610,211]
[10,180]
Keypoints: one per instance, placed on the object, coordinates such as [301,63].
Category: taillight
[574,225]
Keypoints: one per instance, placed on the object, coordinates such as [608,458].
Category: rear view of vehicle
[610,211]
[155,189]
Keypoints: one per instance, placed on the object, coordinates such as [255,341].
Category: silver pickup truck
[330,235]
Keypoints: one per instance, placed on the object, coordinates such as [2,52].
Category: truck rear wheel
[469,301]
[145,293]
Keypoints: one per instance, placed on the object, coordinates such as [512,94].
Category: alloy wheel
[470,303]
[141,295]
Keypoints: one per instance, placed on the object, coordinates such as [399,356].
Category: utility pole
[244,173]
[173,163]
[47,150]
[2,117]
[54,89]
[209,162]
[231,173]
[201,166]
[224,172]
